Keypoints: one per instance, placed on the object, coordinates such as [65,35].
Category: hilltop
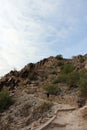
[39,89]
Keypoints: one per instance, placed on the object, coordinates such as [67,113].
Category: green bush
[5,100]
[73,79]
[52,89]
[81,60]
[59,57]
[83,73]
[62,78]
[83,83]
[67,68]
[83,87]
[55,81]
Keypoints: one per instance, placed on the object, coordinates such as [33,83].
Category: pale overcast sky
[33,29]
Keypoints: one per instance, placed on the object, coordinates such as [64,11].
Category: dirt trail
[68,120]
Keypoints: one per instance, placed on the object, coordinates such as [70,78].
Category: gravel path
[68,120]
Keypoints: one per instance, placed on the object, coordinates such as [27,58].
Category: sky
[31,30]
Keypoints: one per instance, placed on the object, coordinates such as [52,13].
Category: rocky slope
[32,107]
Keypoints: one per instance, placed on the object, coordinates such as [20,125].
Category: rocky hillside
[38,88]
[42,72]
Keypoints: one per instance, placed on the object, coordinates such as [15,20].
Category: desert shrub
[59,57]
[83,87]
[81,60]
[62,78]
[52,89]
[67,68]
[5,100]
[83,73]
[55,81]
[83,83]
[73,79]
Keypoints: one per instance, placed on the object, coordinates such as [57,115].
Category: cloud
[33,29]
